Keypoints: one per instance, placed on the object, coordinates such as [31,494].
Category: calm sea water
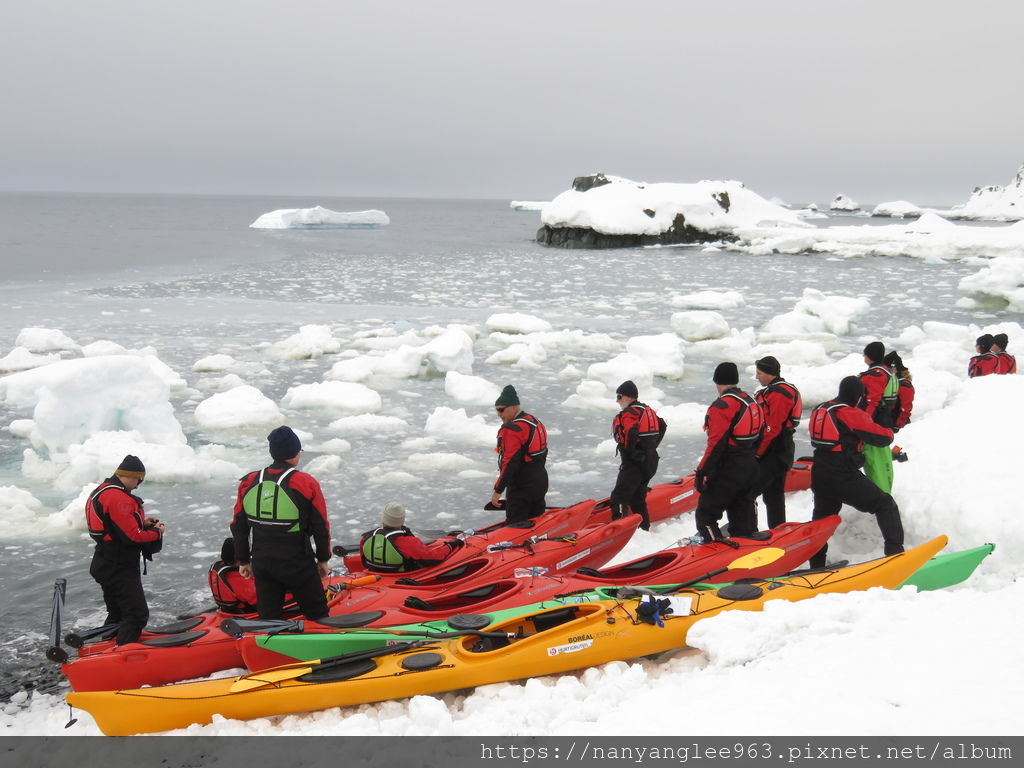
[187,276]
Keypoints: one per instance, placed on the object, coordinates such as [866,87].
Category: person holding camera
[124,537]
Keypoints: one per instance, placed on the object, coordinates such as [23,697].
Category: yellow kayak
[558,639]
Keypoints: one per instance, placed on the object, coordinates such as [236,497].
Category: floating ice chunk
[213,363]
[816,313]
[527,205]
[510,322]
[335,445]
[930,223]
[470,389]
[19,512]
[451,351]
[520,355]
[685,419]
[368,425]
[699,324]
[20,359]
[593,395]
[708,300]
[21,427]
[453,425]
[897,209]
[73,399]
[736,346]
[663,353]
[319,217]
[393,478]
[45,340]
[626,366]
[1001,283]
[339,396]
[795,352]
[312,341]
[452,462]
[324,465]
[243,406]
[844,203]
[573,340]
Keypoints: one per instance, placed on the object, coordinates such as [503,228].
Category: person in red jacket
[727,472]
[392,548]
[281,508]
[839,429]
[905,393]
[637,431]
[985,362]
[232,592]
[782,407]
[522,453]
[1005,362]
[881,403]
[123,537]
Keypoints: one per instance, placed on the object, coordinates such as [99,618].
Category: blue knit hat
[284,444]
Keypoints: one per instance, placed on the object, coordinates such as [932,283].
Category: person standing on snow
[281,508]
[123,537]
[905,391]
[782,407]
[522,453]
[881,402]
[985,362]
[637,430]
[727,475]
[1005,362]
[392,548]
[839,431]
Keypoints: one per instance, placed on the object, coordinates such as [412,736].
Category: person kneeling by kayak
[392,548]
[232,592]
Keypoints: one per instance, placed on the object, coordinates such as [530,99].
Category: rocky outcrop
[680,233]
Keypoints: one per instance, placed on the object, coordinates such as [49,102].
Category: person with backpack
[727,474]
[905,391]
[986,362]
[124,537]
[522,453]
[637,430]
[1005,362]
[232,592]
[782,407]
[881,403]
[393,548]
[281,509]
[840,430]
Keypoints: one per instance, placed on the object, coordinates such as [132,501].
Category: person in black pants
[727,472]
[637,431]
[123,537]
[839,428]
[281,509]
[782,407]
[522,454]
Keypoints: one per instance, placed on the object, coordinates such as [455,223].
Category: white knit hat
[394,515]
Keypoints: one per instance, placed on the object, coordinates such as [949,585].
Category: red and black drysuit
[285,562]
[983,365]
[727,474]
[838,432]
[415,553]
[1005,362]
[232,592]
[782,407]
[905,406]
[522,452]
[637,432]
[880,408]
[116,523]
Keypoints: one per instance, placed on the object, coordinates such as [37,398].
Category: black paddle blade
[238,627]
[490,506]
[78,639]
[340,550]
[56,654]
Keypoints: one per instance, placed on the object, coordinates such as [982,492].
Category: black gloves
[455,544]
[701,481]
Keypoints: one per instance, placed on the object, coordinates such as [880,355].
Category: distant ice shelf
[320,218]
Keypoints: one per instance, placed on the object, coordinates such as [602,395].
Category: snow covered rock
[897,209]
[843,203]
[610,212]
[994,202]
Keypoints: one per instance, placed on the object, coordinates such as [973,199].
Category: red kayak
[684,564]
[196,646]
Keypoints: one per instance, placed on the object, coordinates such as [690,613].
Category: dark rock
[680,233]
[583,183]
[722,198]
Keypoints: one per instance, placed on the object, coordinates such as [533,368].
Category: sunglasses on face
[619,397]
[500,408]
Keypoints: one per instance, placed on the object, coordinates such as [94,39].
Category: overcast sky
[880,100]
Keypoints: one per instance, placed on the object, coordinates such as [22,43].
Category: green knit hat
[508,396]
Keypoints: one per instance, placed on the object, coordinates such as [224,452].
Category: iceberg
[320,218]
[994,203]
[527,205]
[843,203]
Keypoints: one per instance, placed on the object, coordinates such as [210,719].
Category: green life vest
[268,506]
[379,554]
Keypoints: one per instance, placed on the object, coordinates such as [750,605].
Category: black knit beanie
[851,390]
[726,373]
[628,388]
[875,351]
[284,444]
[985,341]
[131,466]
[508,396]
[769,365]
[1001,340]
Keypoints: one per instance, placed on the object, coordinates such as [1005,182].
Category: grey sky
[457,98]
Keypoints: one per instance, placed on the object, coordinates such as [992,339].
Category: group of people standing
[280,532]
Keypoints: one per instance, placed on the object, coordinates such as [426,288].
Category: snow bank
[624,207]
[240,407]
[320,218]
[1000,284]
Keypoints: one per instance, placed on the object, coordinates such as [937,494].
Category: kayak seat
[417,603]
[740,592]
[420,661]
[173,641]
[350,620]
[551,619]
[528,523]
[480,592]
[405,581]
[756,536]
[585,571]
[335,673]
[469,621]
[454,573]
[177,626]
[639,565]
[485,644]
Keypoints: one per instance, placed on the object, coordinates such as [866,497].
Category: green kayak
[949,569]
